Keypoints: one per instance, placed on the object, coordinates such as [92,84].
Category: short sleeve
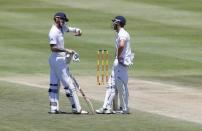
[122,36]
[52,39]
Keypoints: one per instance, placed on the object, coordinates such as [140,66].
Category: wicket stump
[102,66]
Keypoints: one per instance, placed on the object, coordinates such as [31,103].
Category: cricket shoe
[55,112]
[104,111]
[81,112]
[122,112]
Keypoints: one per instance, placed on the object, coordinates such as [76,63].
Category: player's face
[60,21]
[114,25]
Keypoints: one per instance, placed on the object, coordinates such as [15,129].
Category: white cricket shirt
[126,53]
[56,36]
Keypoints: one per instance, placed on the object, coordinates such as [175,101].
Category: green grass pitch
[165,35]
[26,109]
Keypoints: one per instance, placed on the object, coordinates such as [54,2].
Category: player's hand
[121,61]
[75,57]
[72,52]
[78,32]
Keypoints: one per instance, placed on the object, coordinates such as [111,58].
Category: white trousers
[59,72]
[117,82]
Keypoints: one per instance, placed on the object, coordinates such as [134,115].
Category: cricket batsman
[59,70]
[118,80]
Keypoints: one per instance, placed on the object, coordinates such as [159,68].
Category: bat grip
[82,92]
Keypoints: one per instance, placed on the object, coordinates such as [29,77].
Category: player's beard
[114,26]
[61,24]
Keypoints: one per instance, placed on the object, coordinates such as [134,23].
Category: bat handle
[81,91]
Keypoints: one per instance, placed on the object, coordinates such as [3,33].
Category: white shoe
[100,111]
[55,112]
[122,112]
[81,112]
[109,111]
[104,111]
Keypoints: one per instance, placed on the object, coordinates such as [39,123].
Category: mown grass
[165,36]
[26,109]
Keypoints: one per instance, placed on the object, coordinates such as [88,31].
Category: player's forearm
[120,49]
[69,51]
[73,29]
[76,31]
[56,49]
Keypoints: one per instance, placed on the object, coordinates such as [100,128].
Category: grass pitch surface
[26,109]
